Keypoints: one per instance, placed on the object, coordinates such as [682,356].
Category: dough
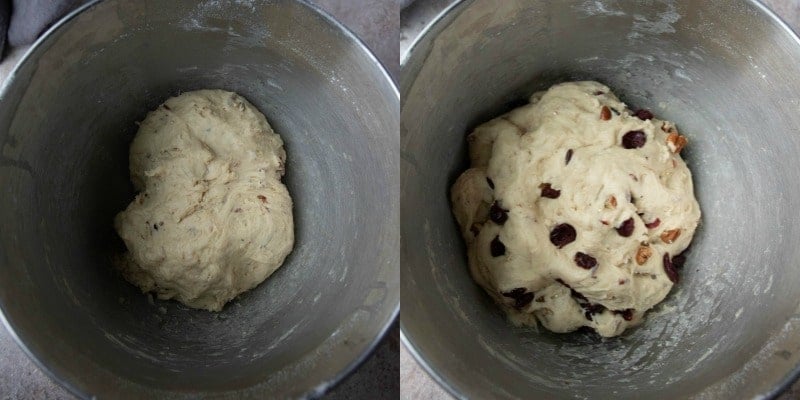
[212,218]
[576,210]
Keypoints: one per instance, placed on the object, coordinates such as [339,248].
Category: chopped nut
[605,113]
[643,254]
[670,235]
[611,202]
[676,142]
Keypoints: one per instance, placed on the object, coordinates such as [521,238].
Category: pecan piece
[643,254]
[605,113]
[670,235]
[676,142]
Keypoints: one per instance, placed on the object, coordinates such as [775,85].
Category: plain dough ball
[212,218]
[567,160]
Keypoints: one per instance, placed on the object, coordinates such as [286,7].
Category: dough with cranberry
[576,210]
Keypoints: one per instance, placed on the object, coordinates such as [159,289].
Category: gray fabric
[29,18]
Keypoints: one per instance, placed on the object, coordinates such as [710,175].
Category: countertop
[376,22]
[414,381]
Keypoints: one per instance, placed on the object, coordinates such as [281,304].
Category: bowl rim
[438,23]
[311,393]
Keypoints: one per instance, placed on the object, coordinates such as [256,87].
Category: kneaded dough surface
[564,160]
[211,218]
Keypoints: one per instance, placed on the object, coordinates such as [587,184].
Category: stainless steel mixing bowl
[728,73]
[66,118]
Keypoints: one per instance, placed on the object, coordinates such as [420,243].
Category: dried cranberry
[627,314]
[549,192]
[497,214]
[653,224]
[497,247]
[634,139]
[491,184]
[591,309]
[599,93]
[568,157]
[585,261]
[521,297]
[524,300]
[626,229]
[669,268]
[562,235]
[643,114]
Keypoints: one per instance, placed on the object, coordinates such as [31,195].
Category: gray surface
[737,343]
[21,380]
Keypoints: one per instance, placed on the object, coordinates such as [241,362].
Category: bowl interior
[727,74]
[67,118]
